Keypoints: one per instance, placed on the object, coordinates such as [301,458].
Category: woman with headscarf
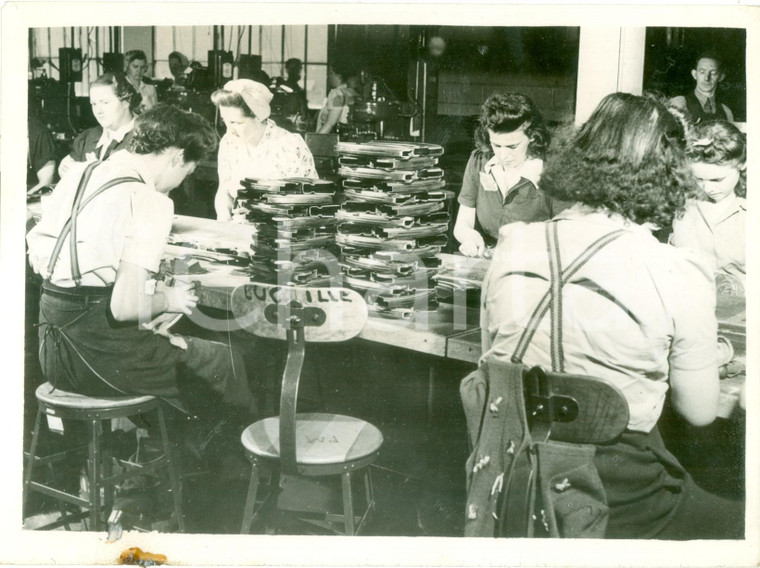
[254,146]
[178,64]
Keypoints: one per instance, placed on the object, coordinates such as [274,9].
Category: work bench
[451,333]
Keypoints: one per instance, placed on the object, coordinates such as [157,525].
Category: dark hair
[507,112]
[134,54]
[709,55]
[166,126]
[220,97]
[720,142]
[122,88]
[345,65]
[293,62]
[627,159]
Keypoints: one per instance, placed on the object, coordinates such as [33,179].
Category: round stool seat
[72,403]
[321,439]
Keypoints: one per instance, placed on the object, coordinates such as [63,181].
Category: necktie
[103,154]
[709,106]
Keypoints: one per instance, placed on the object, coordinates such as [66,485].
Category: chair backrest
[516,457]
[574,408]
[329,314]
[299,315]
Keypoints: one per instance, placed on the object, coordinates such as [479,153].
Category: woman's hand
[470,240]
[472,244]
[180,298]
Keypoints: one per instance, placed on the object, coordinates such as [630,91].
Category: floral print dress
[279,154]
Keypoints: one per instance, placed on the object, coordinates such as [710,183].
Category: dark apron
[85,350]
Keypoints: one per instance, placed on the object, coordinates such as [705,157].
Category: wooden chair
[574,409]
[61,405]
[314,445]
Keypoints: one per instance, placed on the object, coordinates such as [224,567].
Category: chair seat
[320,438]
[52,396]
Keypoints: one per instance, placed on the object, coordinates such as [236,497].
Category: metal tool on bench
[391,149]
[390,175]
[417,186]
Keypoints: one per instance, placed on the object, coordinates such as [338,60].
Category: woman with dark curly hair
[501,179]
[115,104]
[635,312]
[714,224]
[98,247]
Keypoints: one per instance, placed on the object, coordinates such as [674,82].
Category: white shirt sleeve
[692,307]
[149,228]
[229,177]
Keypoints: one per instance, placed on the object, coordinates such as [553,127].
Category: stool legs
[250,501]
[30,461]
[348,503]
[173,475]
[94,474]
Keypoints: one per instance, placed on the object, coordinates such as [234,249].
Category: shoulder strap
[560,277]
[83,181]
[69,228]
[555,269]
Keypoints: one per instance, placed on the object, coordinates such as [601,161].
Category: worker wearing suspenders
[98,247]
[592,292]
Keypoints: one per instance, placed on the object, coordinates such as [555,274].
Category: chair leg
[30,461]
[173,475]
[348,504]
[250,501]
[369,490]
[109,490]
[94,474]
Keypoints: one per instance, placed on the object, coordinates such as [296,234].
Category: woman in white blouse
[254,146]
[136,65]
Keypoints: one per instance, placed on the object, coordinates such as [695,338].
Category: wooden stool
[307,445]
[64,405]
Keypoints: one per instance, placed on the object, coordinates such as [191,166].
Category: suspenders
[552,300]
[70,227]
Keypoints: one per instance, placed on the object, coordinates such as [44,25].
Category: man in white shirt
[702,104]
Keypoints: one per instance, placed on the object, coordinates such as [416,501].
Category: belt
[79,294]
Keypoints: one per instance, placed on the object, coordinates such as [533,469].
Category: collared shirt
[635,310]
[500,197]
[717,232]
[680,102]
[115,136]
[278,155]
[149,96]
[85,145]
[128,222]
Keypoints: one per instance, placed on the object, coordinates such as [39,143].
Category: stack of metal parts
[392,224]
[295,223]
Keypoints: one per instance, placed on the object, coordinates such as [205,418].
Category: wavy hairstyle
[627,159]
[222,97]
[720,142]
[135,54]
[165,126]
[122,88]
[507,112]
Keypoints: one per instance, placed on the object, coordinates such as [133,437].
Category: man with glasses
[702,104]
